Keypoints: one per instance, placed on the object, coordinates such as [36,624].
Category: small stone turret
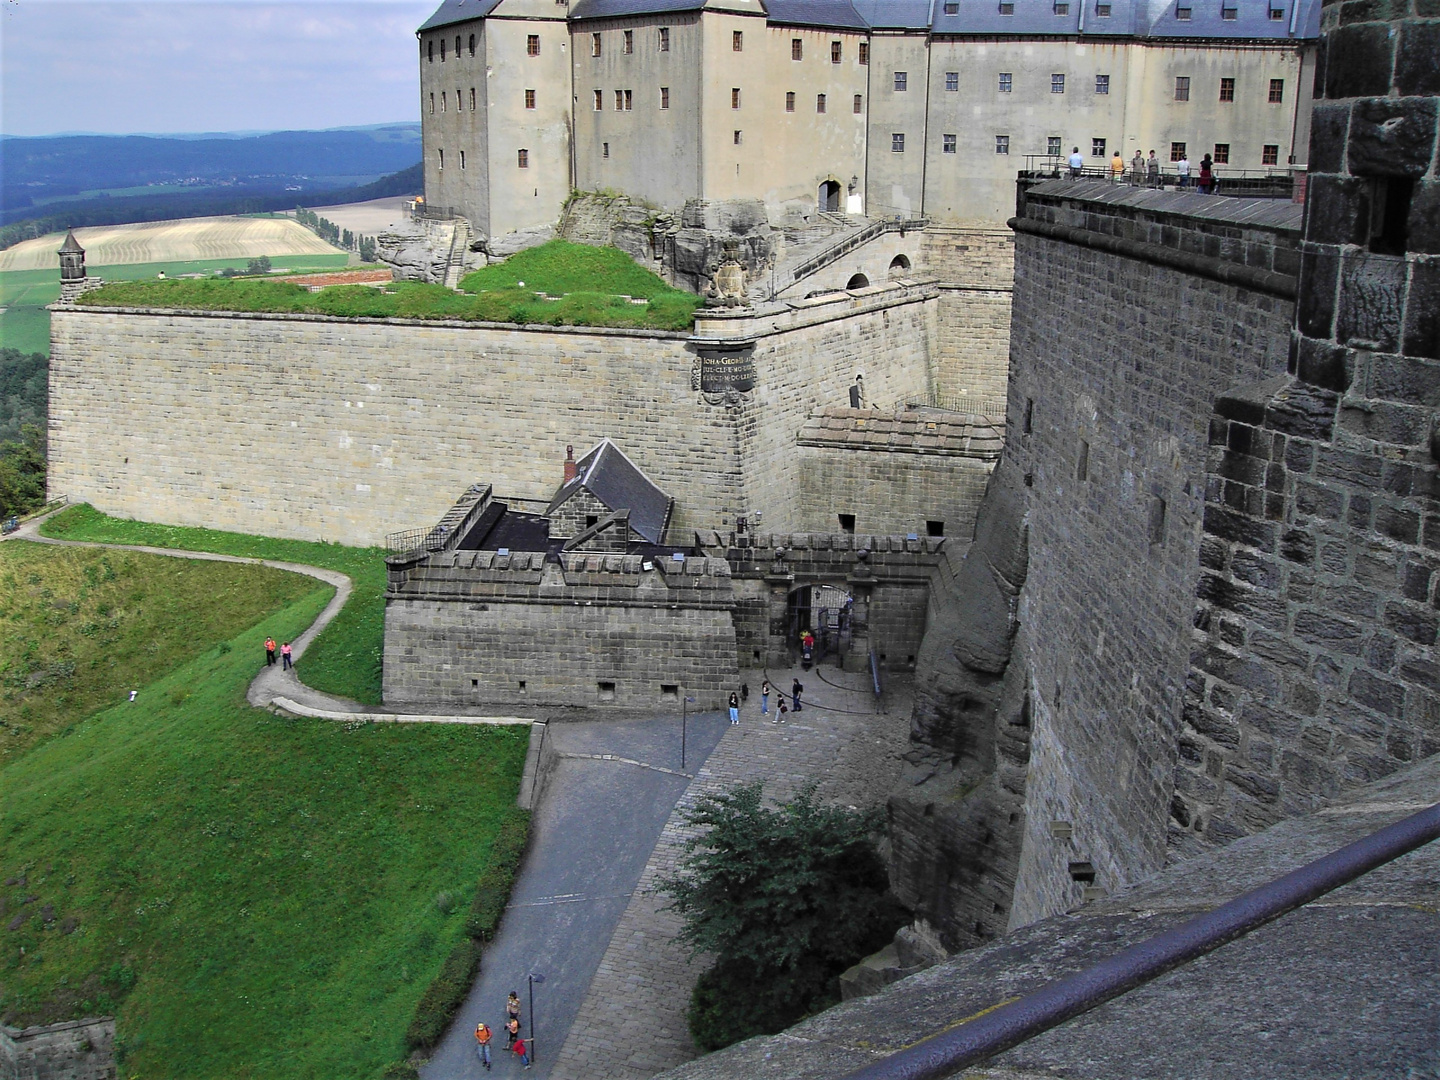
[73,281]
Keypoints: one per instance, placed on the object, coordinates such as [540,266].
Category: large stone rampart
[69,1050]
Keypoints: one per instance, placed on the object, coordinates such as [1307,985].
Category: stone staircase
[459,244]
[827,231]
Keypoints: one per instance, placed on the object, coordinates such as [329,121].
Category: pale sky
[159,66]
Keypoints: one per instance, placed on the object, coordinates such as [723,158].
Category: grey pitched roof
[1035,17]
[458,11]
[1157,18]
[609,9]
[896,14]
[618,483]
[71,245]
[839,14]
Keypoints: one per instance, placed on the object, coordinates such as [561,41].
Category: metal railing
[854,240]
[875,679]
[982,1038]
[1276,183]
[432,539]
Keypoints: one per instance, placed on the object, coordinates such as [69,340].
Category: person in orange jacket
[482,1043]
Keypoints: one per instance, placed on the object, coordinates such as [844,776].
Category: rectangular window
[952,80]
[864,53]
[1182,88]
[1276,13]
[532,45]
[819,103]
[1082,462]
[1052,146]
[442,160]
[947,144]
[472,99]
[1057,84]
[859,105]
[664,39]
[790,101]
[1270,154]
[1222,153]
[442,50]
[1183,12]
[530,99]
[737,41]
[628,42]
[629,100]
[1229,12]
[1102,84]
[442,100]
[1277,91]
[1002,144]
[1062,9]
[430,52]
[462,160]
[432,104]
[524,159]
[737,136]
[1097,148]
[902,80]
[1102,11]
[459,101]
[734,97]
[847,522]
[619,100]
[797,49]
[1006,7]
[837,52]
[594,44]
[952,7]
[1177,151]
[1227,89]
[897,143]
[605,149]
[599,100]
[1027,425]
[664,97]
[1156,524]
[1006,81]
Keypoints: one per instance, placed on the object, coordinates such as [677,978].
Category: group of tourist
[1145,171]
[796,689]
[514,1041]
[285,654]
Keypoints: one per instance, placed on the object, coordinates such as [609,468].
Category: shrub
[492,892]
[444,995]
[785,899]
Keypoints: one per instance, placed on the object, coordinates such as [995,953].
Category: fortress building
[883,108]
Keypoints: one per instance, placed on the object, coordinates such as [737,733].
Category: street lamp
[533,978]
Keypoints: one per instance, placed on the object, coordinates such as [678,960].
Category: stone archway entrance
[829,199]
[824,610]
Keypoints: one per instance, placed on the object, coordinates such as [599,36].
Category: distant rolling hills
[55,182]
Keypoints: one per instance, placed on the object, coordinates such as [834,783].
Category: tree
[785,899]
[258,266]
[22,472]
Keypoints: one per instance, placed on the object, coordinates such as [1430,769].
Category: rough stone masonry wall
[887,492]
[976,268]
[472,628]
[1115,361]
[72,1050]
[1315,664]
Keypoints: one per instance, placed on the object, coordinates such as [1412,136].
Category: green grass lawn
[345,658]
[252,896]
[80,628]
[590,286]
[25,324]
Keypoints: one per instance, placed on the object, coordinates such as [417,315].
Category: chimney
[570,470]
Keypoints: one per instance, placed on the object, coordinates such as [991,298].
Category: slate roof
[457,11]
[896,14]
[71,246]
[618,483]
[836,14]
[607,9]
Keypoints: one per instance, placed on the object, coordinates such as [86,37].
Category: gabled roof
[458,11]
[617,482]
[832,14]
[896,14]
[609,9]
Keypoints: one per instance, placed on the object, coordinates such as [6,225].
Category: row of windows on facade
[737,44]
[1184,9]
[1269,152]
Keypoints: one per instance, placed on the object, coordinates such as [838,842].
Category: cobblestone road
[632,1022]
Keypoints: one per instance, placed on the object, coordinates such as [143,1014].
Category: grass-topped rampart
[557,284]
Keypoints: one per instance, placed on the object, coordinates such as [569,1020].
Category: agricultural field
[24,294]
[366,218]
[185,240]
[250,896]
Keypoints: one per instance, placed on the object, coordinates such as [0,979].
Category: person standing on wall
[734,708]
[1077,163]
[1182,169]
[1117,167]
[1207,176]
[269,652]
[1137,169]
[1152,170]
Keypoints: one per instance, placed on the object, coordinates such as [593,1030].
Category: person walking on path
[285,656]
[512,1016]
[765,697]
[796,689]
[269,652]
[1077,164]
[734,708]
[482,1043]
[521,1052]
[512,1031]
[780,710]
[1152,169]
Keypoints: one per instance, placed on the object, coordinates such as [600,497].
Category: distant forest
[24,394]
[51,184]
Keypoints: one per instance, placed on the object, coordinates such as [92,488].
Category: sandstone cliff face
[955,825]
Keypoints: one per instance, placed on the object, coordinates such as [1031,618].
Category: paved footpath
[632,1022]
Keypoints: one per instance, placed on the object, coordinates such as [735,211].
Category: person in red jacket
[521,1052]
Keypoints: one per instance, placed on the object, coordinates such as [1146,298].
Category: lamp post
[533,978]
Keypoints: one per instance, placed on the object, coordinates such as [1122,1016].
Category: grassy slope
[268,886]
[594,281]
[81,627]
[345,658]
[25,324]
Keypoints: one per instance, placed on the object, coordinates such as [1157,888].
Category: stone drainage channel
[609,820]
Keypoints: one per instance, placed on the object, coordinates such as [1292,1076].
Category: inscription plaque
[727,371]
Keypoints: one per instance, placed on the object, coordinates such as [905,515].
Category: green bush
[785,899]
[444,995]
[493,891]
